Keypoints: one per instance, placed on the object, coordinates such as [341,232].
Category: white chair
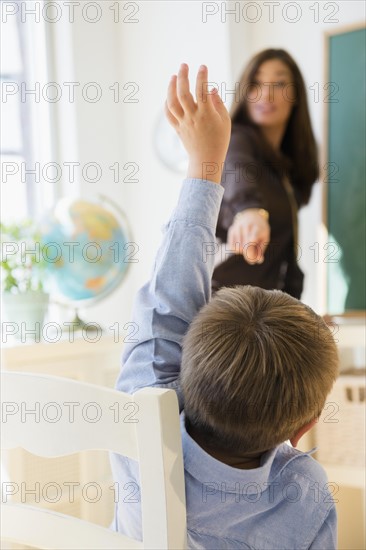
[144,427]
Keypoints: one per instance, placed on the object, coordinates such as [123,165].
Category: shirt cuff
[199,201]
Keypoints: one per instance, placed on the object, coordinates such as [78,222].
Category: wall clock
[168,146]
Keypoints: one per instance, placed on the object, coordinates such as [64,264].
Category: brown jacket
[251,182]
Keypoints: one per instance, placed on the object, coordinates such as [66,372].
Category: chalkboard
[345,197]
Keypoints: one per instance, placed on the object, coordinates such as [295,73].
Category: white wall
[146,53]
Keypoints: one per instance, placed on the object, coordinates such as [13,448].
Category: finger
[233,240]
[202,94]
[172,100]
[254,232]
[230,238]
[252,253]
[218,103]
[171,118]
[256,254]
[184,95]
[260,254]
[244,236]
[259,236]
[249,249]
[255,251]
[262,245]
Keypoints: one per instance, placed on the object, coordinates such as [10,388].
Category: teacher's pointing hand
[249,234]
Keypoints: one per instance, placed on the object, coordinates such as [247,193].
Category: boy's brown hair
[257,366]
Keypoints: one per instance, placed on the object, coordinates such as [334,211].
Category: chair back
[51,416]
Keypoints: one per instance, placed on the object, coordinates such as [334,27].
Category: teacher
[270,168]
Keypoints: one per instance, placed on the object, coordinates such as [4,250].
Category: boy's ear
[296,438]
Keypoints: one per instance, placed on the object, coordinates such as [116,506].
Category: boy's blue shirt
[285,503]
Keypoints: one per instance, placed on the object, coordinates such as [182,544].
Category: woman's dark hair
[299,155]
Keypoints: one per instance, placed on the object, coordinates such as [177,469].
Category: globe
[86,245]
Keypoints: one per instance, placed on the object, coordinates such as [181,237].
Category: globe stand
[78,324]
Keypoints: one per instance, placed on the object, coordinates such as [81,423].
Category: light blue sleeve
[179,286]
[327,534]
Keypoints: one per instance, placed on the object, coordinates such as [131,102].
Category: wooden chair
[144,427]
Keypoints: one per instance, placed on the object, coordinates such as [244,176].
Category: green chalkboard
[346,147]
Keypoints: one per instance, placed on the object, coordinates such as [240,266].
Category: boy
[255,369]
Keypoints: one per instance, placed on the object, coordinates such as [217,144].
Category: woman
[270,168]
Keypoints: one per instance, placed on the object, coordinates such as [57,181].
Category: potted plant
[22,275]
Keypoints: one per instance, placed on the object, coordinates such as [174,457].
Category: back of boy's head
[257,366]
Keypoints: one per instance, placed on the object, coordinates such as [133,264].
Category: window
[26,140]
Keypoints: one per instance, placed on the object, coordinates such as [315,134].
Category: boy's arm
[179,286]
[181,280]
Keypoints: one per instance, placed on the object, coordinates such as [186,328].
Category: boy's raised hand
[203,126]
